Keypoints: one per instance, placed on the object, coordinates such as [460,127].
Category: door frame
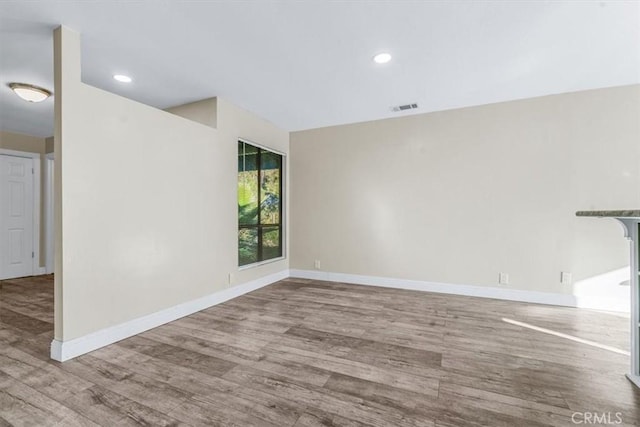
[36,159]
[49,231]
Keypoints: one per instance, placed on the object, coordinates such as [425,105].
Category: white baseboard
[596,303]
[38,271]
[65,350]
[634,379]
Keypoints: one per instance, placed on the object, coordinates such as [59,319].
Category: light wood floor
[309,353]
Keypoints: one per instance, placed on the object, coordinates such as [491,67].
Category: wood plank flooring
[309,353]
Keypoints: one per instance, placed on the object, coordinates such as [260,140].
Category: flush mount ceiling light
[122,78]
[30,93]
[382,58]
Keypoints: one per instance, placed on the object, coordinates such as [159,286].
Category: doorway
[19,214]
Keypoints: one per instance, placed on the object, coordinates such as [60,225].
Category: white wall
[461,195]
[148,212]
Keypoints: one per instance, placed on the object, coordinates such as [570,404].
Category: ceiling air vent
[404,107]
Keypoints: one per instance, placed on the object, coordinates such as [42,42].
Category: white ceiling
[307,64]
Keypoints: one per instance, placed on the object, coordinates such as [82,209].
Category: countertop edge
[627,213]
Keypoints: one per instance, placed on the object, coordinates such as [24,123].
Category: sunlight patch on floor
[566,336]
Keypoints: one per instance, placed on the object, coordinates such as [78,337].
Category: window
[259,204]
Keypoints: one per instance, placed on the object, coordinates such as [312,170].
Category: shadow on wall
[610,290]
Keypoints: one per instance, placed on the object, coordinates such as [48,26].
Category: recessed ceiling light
[382,58]
[30,93]
[122,78]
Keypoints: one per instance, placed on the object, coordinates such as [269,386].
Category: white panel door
[16,217]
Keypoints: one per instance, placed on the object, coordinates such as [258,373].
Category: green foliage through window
[259,204]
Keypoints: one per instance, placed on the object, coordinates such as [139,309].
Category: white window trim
[261,263]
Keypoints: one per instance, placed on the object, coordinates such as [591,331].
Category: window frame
[258,226]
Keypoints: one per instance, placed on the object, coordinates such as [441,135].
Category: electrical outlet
[230,279]
[565,278]
[503,278]
[316,264]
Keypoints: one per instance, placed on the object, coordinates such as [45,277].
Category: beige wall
[30,144]
[459,196]
[148,212]
[235,123]
[20,142]
[48,145]
[204,111]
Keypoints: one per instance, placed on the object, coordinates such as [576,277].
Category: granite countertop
[627,213]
